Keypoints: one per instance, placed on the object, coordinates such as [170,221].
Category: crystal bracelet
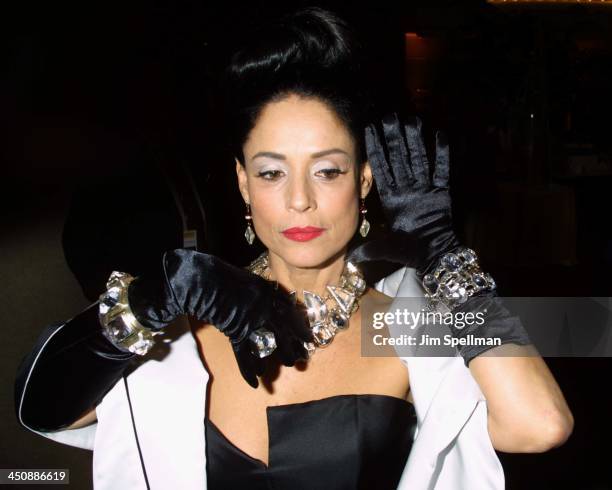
[455,279]
[120,326]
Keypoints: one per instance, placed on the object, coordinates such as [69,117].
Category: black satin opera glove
[234,300]
[68,371]
[73,365]
[416,201]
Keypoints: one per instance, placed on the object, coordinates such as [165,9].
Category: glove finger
[248,365]
[442,165]
[299,350]
[399,158]
[301,326]
[258,364]
[292,317]
[418,153]
[285,351]
[378,161]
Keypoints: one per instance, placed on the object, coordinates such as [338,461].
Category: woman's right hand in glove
[234,300]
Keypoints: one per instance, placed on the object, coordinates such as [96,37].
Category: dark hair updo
[311,53]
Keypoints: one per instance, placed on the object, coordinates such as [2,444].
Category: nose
[300,194]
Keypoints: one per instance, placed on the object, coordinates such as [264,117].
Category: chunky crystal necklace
[329,314]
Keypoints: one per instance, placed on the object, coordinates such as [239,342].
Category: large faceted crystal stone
[263,342]
[451,262]
[430,283]
[355,279]
[323,334]
[364,229]
[480,281]
[143,342]
[249,235]
[315,307]
[344,298]
[455,291]
[109,299]
[339,319]
[467,255]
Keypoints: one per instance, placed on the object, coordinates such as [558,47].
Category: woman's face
[301,171]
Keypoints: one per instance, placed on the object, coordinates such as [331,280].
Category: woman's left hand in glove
[416,201]
[415,197]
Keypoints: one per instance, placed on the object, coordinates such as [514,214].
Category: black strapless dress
[339,442]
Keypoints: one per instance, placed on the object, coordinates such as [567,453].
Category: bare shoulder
[375,293]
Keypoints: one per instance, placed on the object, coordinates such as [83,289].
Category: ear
[242,181]
[365,180]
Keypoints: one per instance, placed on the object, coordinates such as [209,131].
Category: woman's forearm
[527,411]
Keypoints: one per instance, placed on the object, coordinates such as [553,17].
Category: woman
[321,417]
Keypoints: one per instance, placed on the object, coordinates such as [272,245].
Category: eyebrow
[279,156]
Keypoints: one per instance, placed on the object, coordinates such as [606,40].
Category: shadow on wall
[39,289]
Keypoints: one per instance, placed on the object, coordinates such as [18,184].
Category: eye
[331,173]
[269,174]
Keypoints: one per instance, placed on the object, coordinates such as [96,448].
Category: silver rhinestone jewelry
[120,326]
[455,279]
[249,234]
[364,229]
[263,342]
[329,314]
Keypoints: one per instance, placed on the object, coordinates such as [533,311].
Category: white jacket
[163,430]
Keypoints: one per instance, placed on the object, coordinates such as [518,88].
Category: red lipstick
[303,234]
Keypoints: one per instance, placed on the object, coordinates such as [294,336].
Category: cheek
[265,208]
[341,207]
[268,211]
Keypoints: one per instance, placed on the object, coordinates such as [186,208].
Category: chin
[305,256]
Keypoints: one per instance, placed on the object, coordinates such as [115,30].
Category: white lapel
[167,394]
[445,395]
[169,399]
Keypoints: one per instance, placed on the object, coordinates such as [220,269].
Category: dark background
[95,97]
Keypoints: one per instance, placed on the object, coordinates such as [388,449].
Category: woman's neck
[299,279]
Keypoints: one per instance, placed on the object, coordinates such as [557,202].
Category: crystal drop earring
[249,234]
[365,224]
